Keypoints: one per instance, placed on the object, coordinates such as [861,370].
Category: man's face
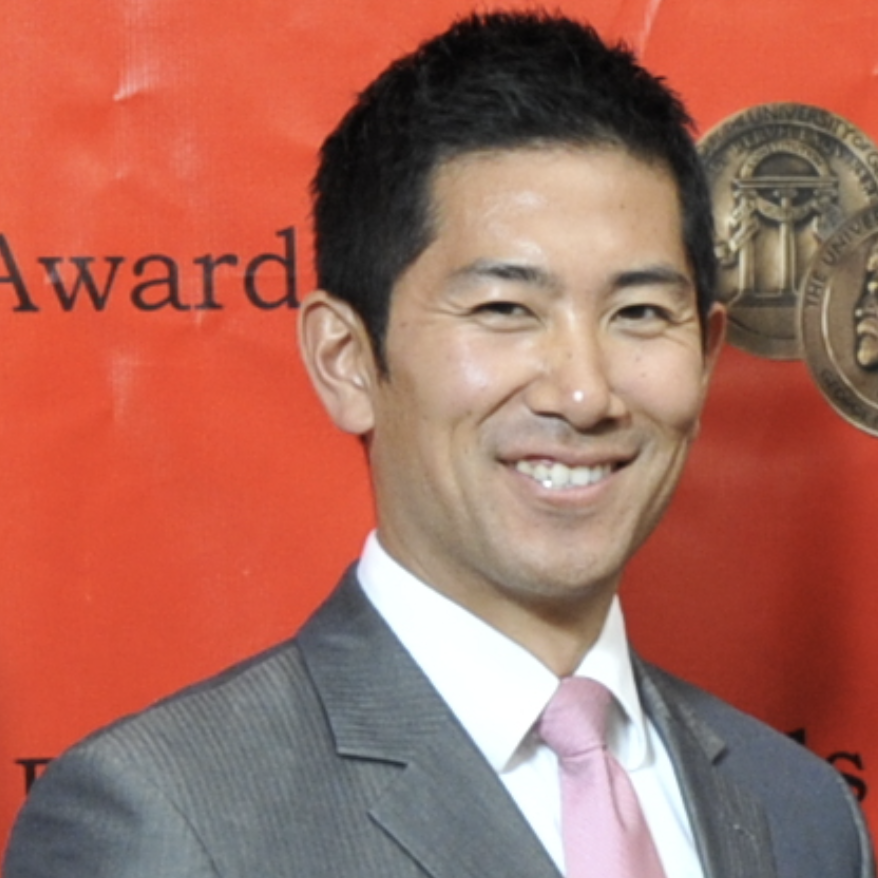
[546,374]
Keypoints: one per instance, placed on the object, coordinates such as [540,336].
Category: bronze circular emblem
[839,319]
[783,178]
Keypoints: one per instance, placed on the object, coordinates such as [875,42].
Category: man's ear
[714,336]
[339,358]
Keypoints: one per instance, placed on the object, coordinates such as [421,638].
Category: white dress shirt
[497,690]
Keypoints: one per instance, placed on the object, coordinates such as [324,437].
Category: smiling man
[541,378]
[515,255]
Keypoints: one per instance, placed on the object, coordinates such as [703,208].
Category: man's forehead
[512,215]
[477,176]
[449,169]
[449,164]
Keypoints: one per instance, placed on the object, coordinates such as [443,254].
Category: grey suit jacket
[332,756]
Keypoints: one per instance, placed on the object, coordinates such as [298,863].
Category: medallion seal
[784,178]
[839,319]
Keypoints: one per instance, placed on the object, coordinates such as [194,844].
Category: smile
[557,476]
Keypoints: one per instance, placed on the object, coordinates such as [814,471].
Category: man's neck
[557,628]
[558,633]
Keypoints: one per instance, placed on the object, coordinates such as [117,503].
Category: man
[515,253]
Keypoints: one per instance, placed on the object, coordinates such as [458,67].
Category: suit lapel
[729,825]
[442,802]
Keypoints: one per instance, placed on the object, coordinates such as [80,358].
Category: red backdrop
[171,496]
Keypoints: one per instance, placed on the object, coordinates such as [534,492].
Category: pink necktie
[605,833]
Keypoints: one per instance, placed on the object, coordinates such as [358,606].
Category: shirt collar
[496,688]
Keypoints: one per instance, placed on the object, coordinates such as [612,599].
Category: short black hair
[502,80]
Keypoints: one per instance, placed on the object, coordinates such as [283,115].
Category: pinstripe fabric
[332,757]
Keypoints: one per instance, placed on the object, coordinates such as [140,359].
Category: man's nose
[574,378]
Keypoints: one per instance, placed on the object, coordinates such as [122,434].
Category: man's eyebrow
[532,275]
[541,278]
[654,275]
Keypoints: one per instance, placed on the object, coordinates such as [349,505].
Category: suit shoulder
[774,767]
[740,733]
[170,783]
[815,824]
[265,698]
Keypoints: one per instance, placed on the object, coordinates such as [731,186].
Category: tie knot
[575,719]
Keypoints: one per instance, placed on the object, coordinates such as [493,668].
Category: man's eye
[502,309]
[644,313]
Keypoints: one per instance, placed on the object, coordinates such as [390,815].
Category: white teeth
[583,475]
[558,475]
